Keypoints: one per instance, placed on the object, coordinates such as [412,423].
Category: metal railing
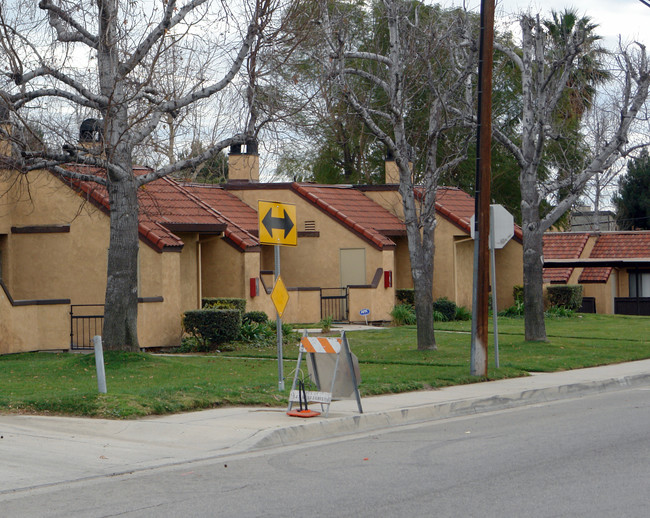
[334,303]
[84,324]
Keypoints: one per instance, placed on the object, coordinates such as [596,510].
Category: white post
[99,364]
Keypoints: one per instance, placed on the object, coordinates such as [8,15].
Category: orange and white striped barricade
[332,377]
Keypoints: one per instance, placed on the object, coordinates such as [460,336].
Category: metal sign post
[364,313]
[277,226]
[493,271]
[502,228]
[278,324]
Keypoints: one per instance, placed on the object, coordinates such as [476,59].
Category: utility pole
[479,356]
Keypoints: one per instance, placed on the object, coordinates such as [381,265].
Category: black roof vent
[235,149]
[91,130]
[251,147]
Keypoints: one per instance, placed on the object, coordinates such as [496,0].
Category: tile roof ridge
[369,233]
[218,213]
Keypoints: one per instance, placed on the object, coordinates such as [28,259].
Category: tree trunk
[423,283]
[420,246]
[535,328]
[120,330]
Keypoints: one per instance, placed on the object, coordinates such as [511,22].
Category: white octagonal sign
[502,225]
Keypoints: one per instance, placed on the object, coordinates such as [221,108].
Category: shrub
[260,333]
[516,310]
[462,313]
[191,344]
[224,303]
[403,314]
[289,336]
[446,307]
[518,293]
[566,296]
[559,312]
[325,324]
[439,317]
[405,297]
[212,327]
[255,316]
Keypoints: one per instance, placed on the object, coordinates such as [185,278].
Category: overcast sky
[630,18]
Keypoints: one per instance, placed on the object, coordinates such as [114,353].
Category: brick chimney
[244,167]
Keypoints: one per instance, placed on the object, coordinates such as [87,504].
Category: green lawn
[144,384]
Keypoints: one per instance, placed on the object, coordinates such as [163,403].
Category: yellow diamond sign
[280,296]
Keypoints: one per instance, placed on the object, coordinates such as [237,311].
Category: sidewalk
[38,450]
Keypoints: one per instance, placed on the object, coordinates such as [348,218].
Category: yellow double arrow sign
[277,223]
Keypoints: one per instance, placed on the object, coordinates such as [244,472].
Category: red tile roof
[455,205]
[616,245]
[241,219]
[355,210]
[560,245]
[622,245]
[165,208]
[458,207]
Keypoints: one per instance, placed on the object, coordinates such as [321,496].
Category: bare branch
[168,21]
[59,18]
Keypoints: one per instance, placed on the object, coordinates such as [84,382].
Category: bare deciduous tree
[419,57]
[546,66]
[103,57]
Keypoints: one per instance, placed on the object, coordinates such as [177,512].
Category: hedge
[565,296]
[405,297]
[213,326]
[256,316]
[224,303]
[446,307]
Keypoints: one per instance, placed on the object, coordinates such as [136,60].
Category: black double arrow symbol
[284,223]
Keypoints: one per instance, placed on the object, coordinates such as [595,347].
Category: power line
[645,2]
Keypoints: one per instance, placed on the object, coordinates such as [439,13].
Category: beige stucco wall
[303,307]
[72,265]
[389,200]
[222,269]
[55,265]
[379,300]
[159,323]
[29,328]
[509,271]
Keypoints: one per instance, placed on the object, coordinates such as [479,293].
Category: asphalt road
[581,457]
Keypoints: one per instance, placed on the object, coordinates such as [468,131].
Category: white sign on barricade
[331,377]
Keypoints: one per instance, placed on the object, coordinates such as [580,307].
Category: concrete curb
[329,428]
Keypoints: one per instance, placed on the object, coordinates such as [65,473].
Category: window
[639,279]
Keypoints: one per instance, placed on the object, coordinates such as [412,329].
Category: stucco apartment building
[612,267]
[201,241]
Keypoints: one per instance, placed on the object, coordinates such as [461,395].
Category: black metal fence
[588,305]
[85,323]
[632,305]
[334,304]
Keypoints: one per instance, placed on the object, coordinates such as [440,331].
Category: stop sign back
[502,226]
